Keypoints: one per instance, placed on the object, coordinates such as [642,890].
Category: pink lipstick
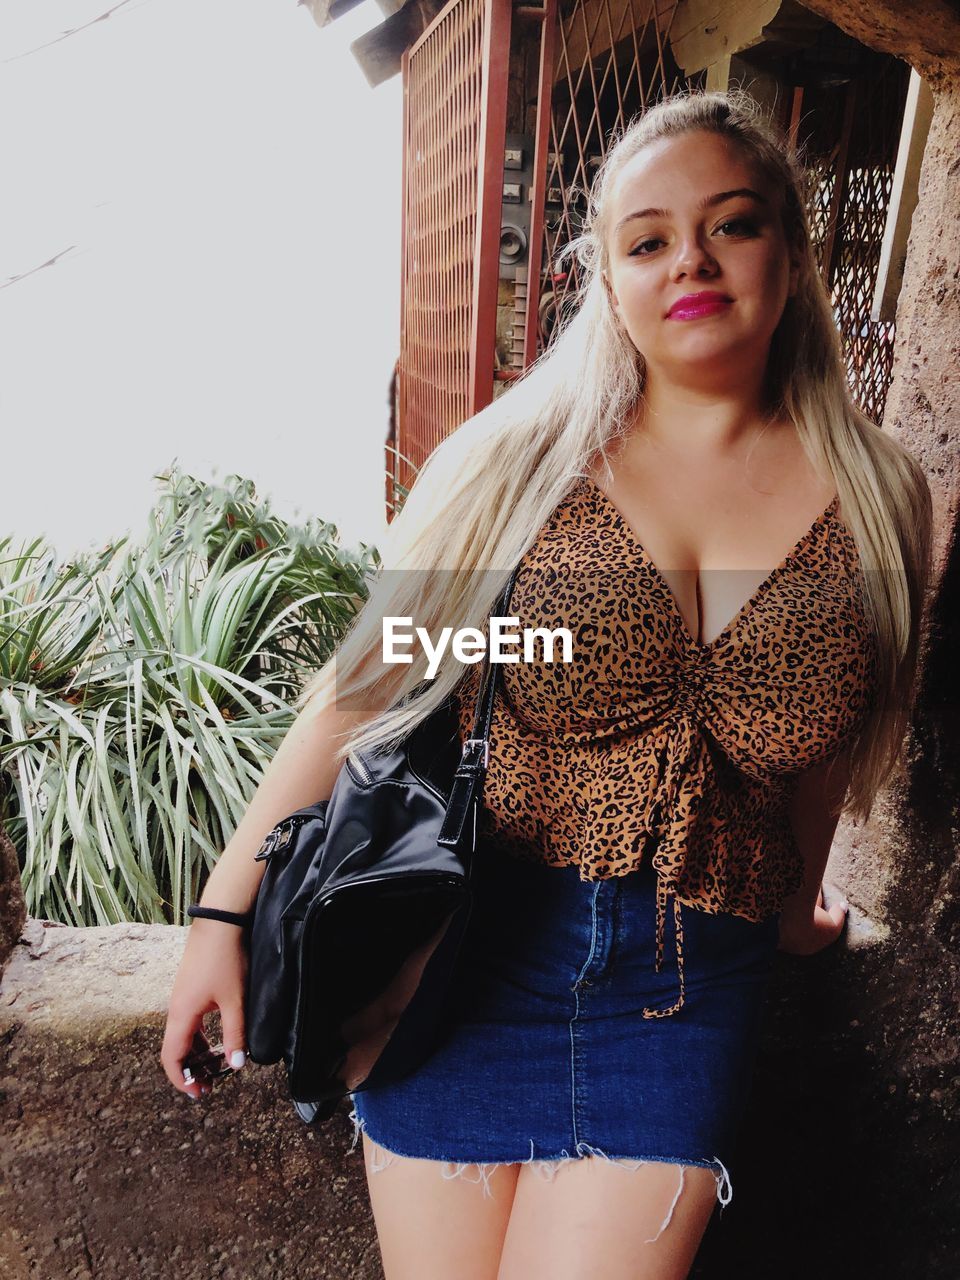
[693,305]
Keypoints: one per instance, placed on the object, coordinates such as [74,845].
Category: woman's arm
[214,964]
[805,926]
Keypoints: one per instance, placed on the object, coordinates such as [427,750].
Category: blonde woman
[741,557]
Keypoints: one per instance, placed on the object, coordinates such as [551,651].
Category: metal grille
[613,61]
[455,89]
[849,133]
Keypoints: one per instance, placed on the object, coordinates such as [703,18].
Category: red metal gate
[454,125]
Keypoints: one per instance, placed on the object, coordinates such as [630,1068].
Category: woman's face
[735,246]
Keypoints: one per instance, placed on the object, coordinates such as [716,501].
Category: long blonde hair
[486,491]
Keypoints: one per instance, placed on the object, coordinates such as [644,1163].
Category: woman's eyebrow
[706,203]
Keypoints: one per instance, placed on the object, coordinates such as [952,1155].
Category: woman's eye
[741,227]
[731,227]
[643,248]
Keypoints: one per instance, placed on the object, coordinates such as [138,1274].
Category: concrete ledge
[108,1172]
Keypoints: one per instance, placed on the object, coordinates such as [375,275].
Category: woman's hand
[804,931]
[212,975]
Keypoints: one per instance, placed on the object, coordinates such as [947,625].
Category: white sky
[232,186]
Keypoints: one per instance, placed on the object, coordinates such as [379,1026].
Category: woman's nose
[691,259]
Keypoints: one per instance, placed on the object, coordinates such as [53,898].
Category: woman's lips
[693,310]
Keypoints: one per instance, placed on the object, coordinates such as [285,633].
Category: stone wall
[13,911]
[854,1131]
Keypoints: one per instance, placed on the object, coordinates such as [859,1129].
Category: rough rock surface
[925,33]
[847,1165]
[906,864]
[108,1172]
[13,910]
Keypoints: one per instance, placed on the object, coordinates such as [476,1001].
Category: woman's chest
[798,644]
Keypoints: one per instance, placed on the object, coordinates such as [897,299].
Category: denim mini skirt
[545,1054]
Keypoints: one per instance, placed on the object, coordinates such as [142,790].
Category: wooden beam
[378,51]
[402,428]
[917,114]
[718,73]
[324,12]
[796,114]
[842,171]
[493,130]
[548,40]
[703,32]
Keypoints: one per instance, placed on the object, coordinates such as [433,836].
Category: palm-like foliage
[144,690]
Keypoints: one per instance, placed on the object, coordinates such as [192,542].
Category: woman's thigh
[600,1218]
[433,1227]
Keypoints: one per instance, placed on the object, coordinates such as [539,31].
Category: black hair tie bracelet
[215,913]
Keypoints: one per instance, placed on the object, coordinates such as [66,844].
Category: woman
[671,794]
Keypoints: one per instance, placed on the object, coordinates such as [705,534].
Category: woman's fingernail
[237,1059]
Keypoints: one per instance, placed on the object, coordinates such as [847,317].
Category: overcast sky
[224,188]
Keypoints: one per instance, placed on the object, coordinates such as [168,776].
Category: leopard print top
[652,744]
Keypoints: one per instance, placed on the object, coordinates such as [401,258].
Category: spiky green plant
[145,689]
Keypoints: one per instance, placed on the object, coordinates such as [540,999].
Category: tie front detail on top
[653,744]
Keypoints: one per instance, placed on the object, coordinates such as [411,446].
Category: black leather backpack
[362,908]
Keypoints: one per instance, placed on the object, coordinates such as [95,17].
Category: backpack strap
[476,750]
